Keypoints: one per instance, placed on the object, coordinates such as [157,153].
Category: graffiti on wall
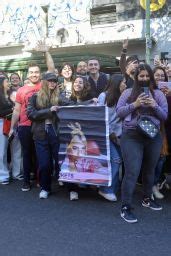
[66,19]
[21,23]
[26,22]
[69,22]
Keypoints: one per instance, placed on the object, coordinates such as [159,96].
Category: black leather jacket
[6,108]
[38,117]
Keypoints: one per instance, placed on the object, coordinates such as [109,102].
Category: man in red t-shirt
[24,124]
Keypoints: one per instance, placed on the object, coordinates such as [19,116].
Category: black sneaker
[127,215]
[150,203]
[26,187]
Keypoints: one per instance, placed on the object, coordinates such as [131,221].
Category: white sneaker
[5,182]
[73,195]
[111,197]
[43,194]
[157,193]
[18,177]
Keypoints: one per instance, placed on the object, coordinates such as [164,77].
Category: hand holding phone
[165,87]
[164,84]
[146,90]
[157,61]
[60,80]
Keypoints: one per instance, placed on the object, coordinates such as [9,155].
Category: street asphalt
[90,226]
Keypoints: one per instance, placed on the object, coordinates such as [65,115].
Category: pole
[147,31]
[45,8]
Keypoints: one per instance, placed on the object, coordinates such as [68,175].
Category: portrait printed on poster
[84,145]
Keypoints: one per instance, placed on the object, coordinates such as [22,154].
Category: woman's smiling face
[66,72]
[78,84]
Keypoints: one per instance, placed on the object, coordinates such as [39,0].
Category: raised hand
[164,63]
[157,61]
[41,46]
[125,44]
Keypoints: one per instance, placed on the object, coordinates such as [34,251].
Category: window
[103,15]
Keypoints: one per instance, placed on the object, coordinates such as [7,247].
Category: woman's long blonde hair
[46,97]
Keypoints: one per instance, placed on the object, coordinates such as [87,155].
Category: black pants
[139,153]
[28,149]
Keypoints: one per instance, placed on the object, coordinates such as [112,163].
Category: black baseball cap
[50,77]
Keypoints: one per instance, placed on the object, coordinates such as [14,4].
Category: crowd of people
[139,106]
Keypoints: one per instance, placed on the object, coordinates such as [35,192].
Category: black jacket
[6,108]
[99,86]
[38,117]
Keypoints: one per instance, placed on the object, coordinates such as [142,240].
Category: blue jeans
[115,159]
[47,150]
[28,149]
[139,153]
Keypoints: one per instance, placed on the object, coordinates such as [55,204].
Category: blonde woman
[41,111]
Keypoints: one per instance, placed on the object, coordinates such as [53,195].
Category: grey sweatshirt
[115,123]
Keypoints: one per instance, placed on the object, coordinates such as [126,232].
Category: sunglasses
[52,81]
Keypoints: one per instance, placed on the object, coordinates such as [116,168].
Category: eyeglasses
[158,75]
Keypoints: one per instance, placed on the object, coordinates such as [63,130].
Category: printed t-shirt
[22,97]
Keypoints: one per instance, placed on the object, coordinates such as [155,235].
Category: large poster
[84,154]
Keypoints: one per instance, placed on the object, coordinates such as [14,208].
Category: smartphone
[60,80]
[146,90]
[164,84]
[157,57]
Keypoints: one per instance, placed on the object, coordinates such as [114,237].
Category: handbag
[146,126]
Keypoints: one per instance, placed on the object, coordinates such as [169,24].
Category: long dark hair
[84,93]
[2,85]
[136,90]
[71,67]
[2,91]
[113,90]
[164,71]
[4,96]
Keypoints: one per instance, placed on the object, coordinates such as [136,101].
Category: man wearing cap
[20,118]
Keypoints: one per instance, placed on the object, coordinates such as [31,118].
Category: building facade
[74,27]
